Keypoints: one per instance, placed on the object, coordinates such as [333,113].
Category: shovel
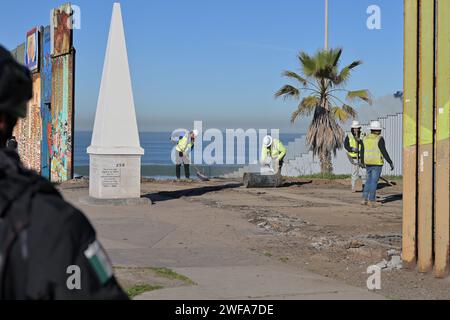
[200,174]
[388,182]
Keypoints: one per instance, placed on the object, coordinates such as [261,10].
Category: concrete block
[115,176]
[258,180]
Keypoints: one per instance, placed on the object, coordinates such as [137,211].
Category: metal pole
[326,24]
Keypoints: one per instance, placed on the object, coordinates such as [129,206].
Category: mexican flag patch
[99,261]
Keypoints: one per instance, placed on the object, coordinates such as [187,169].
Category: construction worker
[373,154]
[273,153]
[48,248]
[184,145]
[352,145]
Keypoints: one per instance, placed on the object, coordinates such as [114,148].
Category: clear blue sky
[219,61]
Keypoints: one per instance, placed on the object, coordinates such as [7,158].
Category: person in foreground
[48,249]
[373,154]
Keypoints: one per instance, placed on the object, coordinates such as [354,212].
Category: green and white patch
[99,261]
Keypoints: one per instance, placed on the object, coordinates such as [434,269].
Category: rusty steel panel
[442,187]
[410,133]
[426,133]
[61,152]
[46,97]
[61,30]
[20,53]
[28,130]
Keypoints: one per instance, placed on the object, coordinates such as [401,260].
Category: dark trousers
[280,164]
[186,171]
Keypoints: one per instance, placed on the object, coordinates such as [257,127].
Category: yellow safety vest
[372,153]
[182,145]
[278,150]
[354,145]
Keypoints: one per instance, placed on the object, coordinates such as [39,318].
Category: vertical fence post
[426,133]
[442,218]
[410,133]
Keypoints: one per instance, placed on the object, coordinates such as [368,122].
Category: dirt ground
[321,226]
[317,225]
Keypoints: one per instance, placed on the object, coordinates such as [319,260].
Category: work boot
[364,202]
[178,170]
[374,204]
[187,171]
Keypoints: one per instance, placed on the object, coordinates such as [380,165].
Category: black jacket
[41,238]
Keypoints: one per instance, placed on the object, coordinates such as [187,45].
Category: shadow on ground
[295,184]
[192,192]
[392,198]
[382,185]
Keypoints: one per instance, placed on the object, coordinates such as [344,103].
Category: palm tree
[321,90]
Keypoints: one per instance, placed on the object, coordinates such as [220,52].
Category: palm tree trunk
[326,166]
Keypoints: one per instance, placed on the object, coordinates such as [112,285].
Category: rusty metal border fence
[426,140]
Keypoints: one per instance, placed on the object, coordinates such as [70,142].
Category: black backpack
[17,190]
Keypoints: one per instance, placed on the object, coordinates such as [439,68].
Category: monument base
[116,202]
[115,176]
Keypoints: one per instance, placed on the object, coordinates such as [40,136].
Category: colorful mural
[61,152]
[45,136]
[28,130]
[61,26]
[32,50]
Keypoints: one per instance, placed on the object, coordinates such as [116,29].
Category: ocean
[156,162]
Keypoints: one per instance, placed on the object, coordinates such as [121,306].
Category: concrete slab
[259,282]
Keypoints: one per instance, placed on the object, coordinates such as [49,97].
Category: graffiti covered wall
[45,136]
[28,130]
[61,152]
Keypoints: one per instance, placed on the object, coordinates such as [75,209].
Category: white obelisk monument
[115,152]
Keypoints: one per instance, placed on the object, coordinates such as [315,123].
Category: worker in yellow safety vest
[273,153]
[184,145]
[373,154]
[352,144]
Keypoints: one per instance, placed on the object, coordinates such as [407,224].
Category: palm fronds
[363,95]
[321,78]
[306,107]
[288,91]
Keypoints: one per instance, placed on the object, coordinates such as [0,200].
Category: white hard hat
[376,126]
[356,125]
[267,141]
[195,133]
